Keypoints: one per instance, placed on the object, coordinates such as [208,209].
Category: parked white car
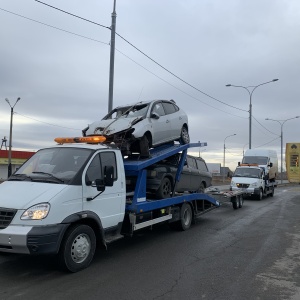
[143,125]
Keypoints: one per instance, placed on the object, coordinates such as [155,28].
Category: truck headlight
[36,212]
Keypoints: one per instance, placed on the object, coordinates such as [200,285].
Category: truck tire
[272,193]
[260,195]
[235,203]
[186,217]
[165,189]
[77,248]
[241,201]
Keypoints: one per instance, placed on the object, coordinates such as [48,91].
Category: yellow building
[292,153]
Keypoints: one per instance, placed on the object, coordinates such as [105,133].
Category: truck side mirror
[271,165]
[109,175]
[239,163]
[99,183]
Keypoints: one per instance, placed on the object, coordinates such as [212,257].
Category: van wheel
[165,189]
[78,248]
[184,136]
[260,195]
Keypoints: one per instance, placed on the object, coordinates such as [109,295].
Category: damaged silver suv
[137,128]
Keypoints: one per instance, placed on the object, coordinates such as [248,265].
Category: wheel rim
[166,188]
[81,248]
[186,217]
[185,135]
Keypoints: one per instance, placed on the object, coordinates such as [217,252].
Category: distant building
[217,171]
[17,159]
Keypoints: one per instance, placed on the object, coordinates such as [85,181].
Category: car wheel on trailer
[184,136]
[165,189]
[77,248]
[145,146]
[201,188]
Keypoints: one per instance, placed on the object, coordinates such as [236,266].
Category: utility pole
[112,58]
[9,171]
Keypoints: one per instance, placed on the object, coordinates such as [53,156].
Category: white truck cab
[56,187]
[251,179]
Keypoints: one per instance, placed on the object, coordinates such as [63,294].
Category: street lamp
[250,106]
[224,155]
[281,122]
[10,133]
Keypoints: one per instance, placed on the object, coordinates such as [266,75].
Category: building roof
[16,154]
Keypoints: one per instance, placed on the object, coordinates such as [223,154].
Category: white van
[263,158]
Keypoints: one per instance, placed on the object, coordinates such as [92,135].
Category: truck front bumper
[250,191]
[32,239]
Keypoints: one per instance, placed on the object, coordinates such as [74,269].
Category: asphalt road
[249,253]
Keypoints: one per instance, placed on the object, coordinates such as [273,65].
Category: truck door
[109,205]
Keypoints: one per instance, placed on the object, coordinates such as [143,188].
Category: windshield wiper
[20,177]
[51,175]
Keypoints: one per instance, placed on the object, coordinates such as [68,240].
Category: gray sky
[62,78]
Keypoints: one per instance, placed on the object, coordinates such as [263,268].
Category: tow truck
[252,180]
[67,198]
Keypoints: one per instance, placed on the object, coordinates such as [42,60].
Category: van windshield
[259,160]
[55,165]
[247,172]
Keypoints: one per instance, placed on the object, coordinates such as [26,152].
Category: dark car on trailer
[195,177]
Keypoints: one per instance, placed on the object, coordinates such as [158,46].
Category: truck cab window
[94,170]
[109,159]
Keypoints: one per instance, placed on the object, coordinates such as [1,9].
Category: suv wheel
[165,189]
[184,136]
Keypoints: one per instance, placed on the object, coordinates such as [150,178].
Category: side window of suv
[191,162]
[169,108]
[202,165]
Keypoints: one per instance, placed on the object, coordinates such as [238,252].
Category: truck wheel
[165,189]
[186,217]
[78,248]
[235,203]
[241,201]
[260,195]
[184,136]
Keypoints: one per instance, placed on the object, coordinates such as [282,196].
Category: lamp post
[281,122]
[10,133]
[250,91]
[224,155]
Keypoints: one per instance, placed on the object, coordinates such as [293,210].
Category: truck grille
[6,216]
[242,185]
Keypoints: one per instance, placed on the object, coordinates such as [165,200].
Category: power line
[70,32]
[177,87]
[268,142]
[263,126]
[68,13]
[179,78]
[46,122]
[85,37]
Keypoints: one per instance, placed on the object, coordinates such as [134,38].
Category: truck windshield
[259,160]
[57,165]
[247,172]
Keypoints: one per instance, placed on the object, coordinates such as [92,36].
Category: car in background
[141,126]
[195,177]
